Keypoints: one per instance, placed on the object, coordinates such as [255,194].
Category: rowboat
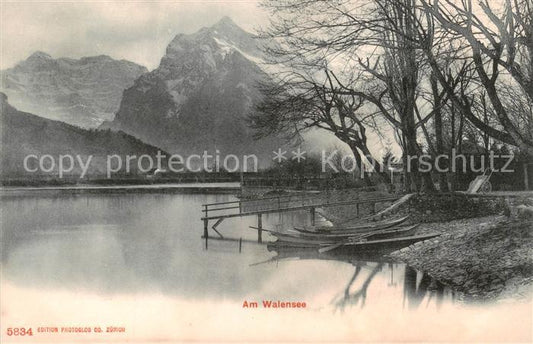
[317,240]
[351,229]
[381,245]
[362,247]
[348,234]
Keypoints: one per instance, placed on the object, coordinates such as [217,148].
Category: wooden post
[206,235]
[357,209]
[240,245]
[259,230]
[312,211]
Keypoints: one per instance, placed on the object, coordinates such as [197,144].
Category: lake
[137,261]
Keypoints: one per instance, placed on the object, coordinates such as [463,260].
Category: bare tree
[333,31]
[298,102]
[497,41]
[425,63]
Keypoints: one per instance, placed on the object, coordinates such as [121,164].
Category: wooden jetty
[220,211]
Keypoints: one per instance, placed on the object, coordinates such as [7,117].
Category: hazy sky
[134,30]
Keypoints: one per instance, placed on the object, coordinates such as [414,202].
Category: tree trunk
[439,146]
[382,175]
[359,163]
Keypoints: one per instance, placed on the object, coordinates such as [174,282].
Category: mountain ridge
[199,96]
[82,92]
[24,134]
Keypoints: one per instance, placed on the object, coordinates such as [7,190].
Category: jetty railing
[264,203]
[278,204]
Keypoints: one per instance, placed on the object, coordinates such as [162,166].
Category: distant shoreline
[224,187]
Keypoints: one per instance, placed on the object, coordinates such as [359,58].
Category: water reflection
[150,243]
[417,287]
[359,295]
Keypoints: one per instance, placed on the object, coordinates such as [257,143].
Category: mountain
[199,96]
[24,134]
[82,92]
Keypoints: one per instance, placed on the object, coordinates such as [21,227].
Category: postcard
[266,171]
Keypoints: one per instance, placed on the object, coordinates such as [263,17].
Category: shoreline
[483,258]
[138,188]
[485,251]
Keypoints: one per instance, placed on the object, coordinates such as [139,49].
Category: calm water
[112,244]
[136,261]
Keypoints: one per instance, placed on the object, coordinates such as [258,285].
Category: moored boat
[374,247]
[381,245]
[351,229]
[316,240]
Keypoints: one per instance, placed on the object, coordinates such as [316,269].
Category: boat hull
[317,241]
[382,245]
[352,229]
[374,247]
